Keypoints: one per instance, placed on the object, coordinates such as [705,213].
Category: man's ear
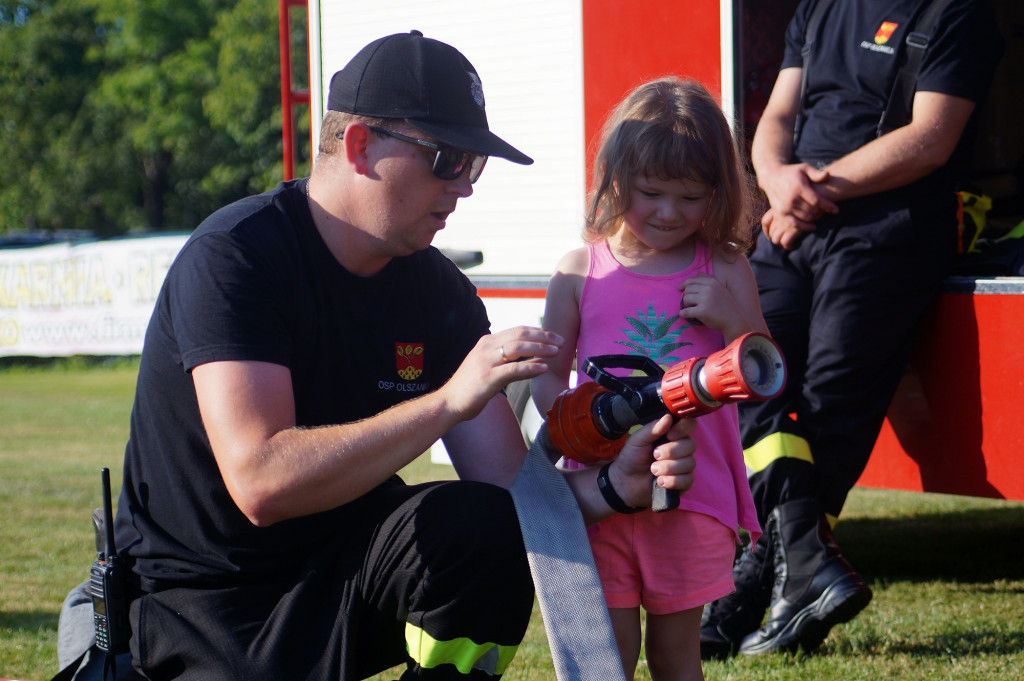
[356,141]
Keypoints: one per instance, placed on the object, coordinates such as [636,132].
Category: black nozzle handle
[596,367]
[663,499]
[642,393]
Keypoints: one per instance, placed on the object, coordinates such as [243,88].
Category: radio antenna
[108,516]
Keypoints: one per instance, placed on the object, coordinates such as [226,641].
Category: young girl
[664,275]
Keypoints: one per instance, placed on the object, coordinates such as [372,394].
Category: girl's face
[664,214]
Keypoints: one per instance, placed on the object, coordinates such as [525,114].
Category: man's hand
[792,190]
[795,195]
[497,360]
[784,230]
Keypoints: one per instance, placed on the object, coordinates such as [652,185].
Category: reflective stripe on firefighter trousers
[462,653]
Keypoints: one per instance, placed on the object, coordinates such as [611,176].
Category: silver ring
[504,357]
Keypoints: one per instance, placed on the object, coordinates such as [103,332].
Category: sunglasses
[449,163]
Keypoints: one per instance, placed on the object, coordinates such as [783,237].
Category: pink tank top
[623,312]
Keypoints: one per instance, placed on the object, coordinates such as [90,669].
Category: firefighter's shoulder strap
[901,99]
[810,31]
[898,108]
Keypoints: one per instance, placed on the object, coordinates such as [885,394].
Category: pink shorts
[666,562]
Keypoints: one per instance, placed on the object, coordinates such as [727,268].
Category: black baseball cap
[426,83]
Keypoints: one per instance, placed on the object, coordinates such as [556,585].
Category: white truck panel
[529,56]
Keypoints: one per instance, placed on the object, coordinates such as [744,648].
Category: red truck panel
[956,425]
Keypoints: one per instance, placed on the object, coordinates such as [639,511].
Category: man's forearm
[771,148]
[889,162]
[300,471]
[904,155]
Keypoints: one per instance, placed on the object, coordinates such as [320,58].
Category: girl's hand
[671,462]
[708,301]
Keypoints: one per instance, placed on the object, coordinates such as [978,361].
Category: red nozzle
[682,392]
[751,368]
[573,430]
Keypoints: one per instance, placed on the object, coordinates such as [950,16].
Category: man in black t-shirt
[860,231]
[307,344]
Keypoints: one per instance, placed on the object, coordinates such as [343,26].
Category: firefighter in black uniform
[860,231]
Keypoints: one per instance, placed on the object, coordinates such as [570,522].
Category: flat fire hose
[564,575]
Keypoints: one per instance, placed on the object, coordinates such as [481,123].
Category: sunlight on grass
[947,572]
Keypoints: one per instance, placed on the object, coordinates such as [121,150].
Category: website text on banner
[91,298]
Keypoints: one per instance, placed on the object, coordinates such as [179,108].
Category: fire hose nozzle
[589,423]
[573,429]
[751,368]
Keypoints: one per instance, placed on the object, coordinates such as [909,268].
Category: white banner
[93,298]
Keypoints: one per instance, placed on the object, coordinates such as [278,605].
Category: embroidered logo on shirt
[882,36]
[409,360]
[885,32]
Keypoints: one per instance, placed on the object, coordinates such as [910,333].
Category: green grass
[58,427]
[947,572]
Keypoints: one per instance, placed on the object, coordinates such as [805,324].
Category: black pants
[436,578]
[844,307]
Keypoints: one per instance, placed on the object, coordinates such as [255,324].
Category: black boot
[815,587]
[727,621]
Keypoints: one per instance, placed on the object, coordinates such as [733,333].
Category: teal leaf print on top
[651,335]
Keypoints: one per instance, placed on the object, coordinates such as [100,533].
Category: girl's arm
[561,315]
[728,301]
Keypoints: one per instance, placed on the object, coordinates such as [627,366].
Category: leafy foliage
[129,115]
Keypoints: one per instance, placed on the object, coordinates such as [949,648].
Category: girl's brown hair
[672,128]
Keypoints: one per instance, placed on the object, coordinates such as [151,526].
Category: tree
[239,106]
[47,65]
[120,115]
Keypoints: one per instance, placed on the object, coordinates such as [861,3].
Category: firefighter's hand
[784,230]
[497,360]
[794,189]
[671,461]
[795,194]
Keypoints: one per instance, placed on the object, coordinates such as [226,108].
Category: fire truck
[552,70]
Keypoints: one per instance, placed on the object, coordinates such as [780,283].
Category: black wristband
[611,497]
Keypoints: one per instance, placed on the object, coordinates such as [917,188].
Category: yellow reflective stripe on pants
[463,653]
[774,447]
